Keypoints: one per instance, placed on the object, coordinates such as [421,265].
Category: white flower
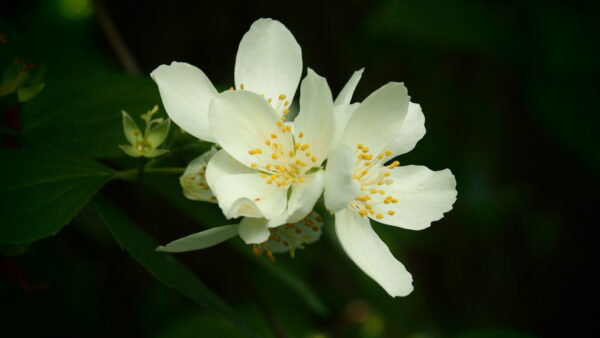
[359,186]
[146,143]
[193,181]
[268,62]
[267,168]
[288,237]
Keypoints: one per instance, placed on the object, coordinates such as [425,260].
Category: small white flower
[288,237]
[268,62]
[146,143]
[359,185]
[193,181]
[268,168]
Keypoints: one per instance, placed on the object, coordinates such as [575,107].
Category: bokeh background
[510,94]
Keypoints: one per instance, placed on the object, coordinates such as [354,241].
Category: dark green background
[510,94]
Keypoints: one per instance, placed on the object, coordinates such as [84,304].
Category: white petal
[411,131]
[345,95]
[377,120]
[243,121]
[254,230]
[340,186]
[186,94]
[303,197]
[423,197]
[235,192]
[269,60]
[341,116]
[292,236]
[315,119]
[193,181]
[222,164]
[367,250]
[201,240]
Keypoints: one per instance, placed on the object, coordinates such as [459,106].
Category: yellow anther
[286,103]
[294,180]
[279,123]
[308,153]
[301,179]
[291,153]
[364,172]
[380,156]
[386,174]
[363,198]
[363,212]
[313,159]
[286,111]
[380,183]
[305,146]
[268,142]
[287,177]
[394,200]
[388,152]
[379,216]
[253,165]
[368,164]
[292,170]
[282,97]
[274,156]
[365,149]
[297,146]
[391,212]
[368,206]
[241,85]
[288,128]
[369,157]
[283,182]
[137,132]
[382,192]
[371,211]
[270,100]
[269,181]
[276,145]
[301,134]
[386,202]
[360,146]
[258,150]
[273,136]
[373,191]
[269,165]
[230,88]
[263,175]
[251,152]
[300,163]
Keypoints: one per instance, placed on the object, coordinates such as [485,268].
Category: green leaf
[42,191]
[27,93]
[163,266]
[83,115]
[210,214]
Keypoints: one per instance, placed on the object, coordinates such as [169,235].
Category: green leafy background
[509,91]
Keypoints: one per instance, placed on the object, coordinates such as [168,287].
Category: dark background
[510,94]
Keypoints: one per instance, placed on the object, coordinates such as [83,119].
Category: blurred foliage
[508,90]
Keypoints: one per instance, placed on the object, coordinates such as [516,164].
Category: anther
[379,216]
[391,212]
[301,134]
[282,97]
[253,165]
[273,136]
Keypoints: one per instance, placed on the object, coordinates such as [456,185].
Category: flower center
[374,179]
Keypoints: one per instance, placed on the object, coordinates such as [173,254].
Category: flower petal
[242,121]
[341,116]
[254,230]
[411,131]
[304,196]
[130,128]
[423,197]
[186,94]
[371,254]
[193,181]
[340,186]
[222,164]
[269,60]
[201,240]
[292,236]
[345,95]
[315,119]
[376,121]
[235,192]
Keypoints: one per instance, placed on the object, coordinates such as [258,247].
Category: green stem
[132,174]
